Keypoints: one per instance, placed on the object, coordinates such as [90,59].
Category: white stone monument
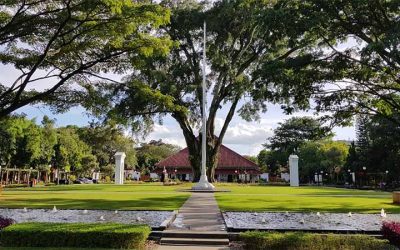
[294,170]
[353,177]
[119,168]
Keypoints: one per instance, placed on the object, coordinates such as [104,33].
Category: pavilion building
[232,167]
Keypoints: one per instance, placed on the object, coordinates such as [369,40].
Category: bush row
[305,241]
[83,235]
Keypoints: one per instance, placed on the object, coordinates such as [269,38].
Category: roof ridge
[241,156]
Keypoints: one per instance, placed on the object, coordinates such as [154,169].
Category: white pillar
[294,170]
[119,168]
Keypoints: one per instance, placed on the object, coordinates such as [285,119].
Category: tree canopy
[292,133]
[242,37]
[148,154]
[354,66]
[80,150]
[56,45]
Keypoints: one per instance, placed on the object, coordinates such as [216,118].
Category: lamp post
[237,176]
[386,176]
[365,174]
[321,179]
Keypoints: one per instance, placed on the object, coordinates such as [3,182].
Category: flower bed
[105,235]
[391,232]
[5,222]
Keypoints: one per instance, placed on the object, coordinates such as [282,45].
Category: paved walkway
[199,213]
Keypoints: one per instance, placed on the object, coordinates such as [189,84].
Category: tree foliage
[81,150]
[243,37]
[149,154]
[295,131]
[63,43]
[327,156]
[353,67]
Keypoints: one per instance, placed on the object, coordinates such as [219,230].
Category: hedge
[305,241]
[83,235]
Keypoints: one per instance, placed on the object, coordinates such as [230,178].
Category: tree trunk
[212,151]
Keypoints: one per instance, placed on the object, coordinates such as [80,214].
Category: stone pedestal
[119,167]
[294,170]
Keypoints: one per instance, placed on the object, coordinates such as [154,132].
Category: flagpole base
[203,184]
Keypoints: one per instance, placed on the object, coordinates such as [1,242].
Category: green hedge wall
[83,235]
[305,241]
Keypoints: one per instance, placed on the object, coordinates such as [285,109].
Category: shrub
[72,178]
[107,179]
[5,222]
[100,235]
[305,241]
[391,232]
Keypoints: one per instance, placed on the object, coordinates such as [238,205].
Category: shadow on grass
[336,206]
[148,203]
[93,187]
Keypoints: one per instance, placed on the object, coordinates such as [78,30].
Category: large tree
[354,67]
[242,36]
[55,44]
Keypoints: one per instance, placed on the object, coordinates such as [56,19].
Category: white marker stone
[119,168]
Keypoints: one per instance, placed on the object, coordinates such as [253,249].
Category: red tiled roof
[228,159]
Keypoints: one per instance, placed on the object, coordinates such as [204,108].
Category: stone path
[199,213]
[198,225]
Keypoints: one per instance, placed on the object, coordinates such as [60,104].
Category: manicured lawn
[303,199]
[152,196]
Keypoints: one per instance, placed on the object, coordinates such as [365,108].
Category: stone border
[166,223]
[238,224]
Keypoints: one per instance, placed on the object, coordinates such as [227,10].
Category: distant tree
[335,154]
[27,137]
[326,156]
[384,142]
[154,151]
[352,160]
[291,134]
[251,158]
[88,165]
[107,139]
[363,141]
[69,150]
[48,141]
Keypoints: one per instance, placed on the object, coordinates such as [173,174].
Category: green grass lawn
[303,199]
[152,196]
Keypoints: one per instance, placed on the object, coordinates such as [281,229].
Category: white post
[294,170]
[353,177]
[203,183]
[119,168]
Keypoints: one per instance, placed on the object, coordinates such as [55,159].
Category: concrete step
[191,234]
[194,241]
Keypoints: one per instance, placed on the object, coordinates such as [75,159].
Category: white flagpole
[203,183]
